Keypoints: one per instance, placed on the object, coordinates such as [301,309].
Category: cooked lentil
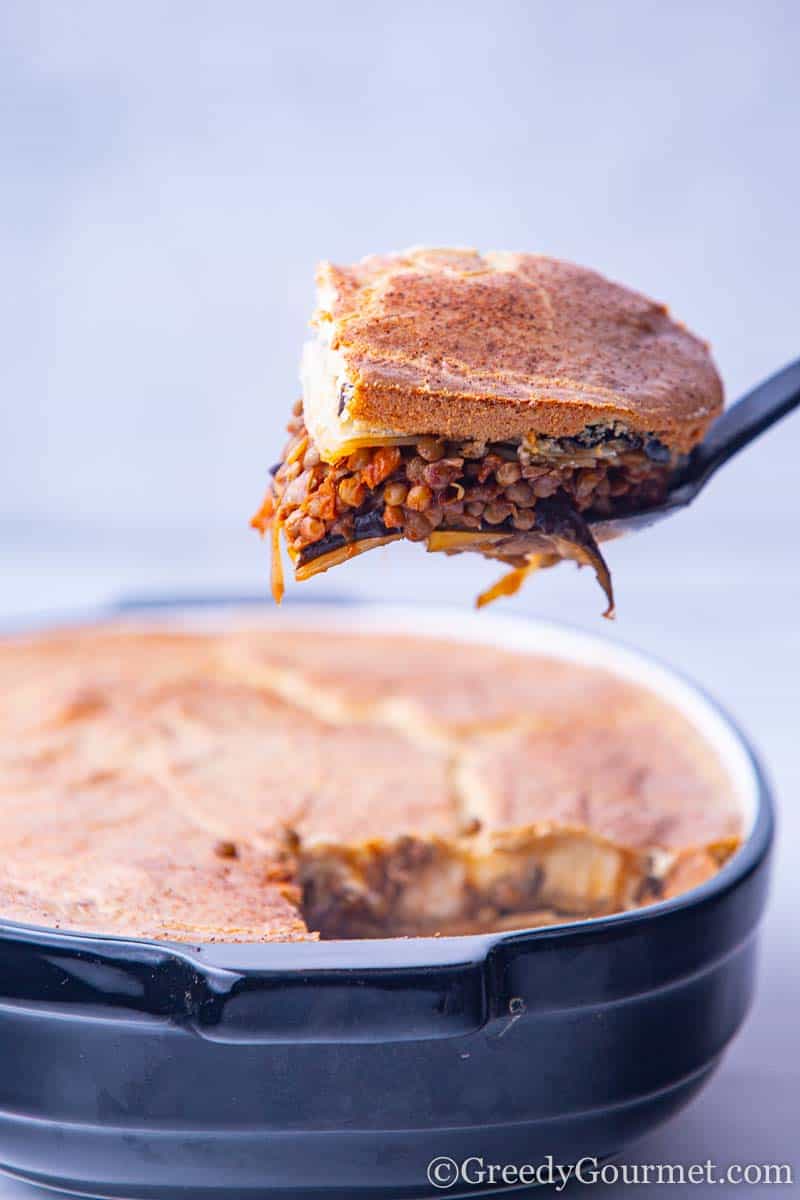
[434,483]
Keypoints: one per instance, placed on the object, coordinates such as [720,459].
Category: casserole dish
[343,1068]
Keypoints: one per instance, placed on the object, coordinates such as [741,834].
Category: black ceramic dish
[341,1069]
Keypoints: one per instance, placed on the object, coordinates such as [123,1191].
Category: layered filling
[527,503]
[414,887]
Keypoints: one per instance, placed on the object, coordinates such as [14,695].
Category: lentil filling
[519,502]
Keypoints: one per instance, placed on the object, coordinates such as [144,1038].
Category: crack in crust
[506,861]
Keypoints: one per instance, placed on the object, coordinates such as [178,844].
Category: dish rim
[381,954]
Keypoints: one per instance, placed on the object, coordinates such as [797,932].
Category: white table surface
[724,606]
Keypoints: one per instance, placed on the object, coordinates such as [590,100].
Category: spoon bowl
[738,426]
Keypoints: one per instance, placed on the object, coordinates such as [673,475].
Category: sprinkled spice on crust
[275,785]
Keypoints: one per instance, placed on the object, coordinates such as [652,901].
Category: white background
[173,171]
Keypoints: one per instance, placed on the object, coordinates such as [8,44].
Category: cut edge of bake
[479,880]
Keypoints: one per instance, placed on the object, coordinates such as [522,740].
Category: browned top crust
[646,781]
[498,345]
[173,786]
[261,772]
[425,687]
[157,898]
[93,835]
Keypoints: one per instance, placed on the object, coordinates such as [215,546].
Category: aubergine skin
[365,525]
[560,529]
[331,541]
[556,518]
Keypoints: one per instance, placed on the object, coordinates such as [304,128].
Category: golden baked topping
[269,784]
[499,345]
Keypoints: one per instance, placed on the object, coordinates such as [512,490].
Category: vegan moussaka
[284,784]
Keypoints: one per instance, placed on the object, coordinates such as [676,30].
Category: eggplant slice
[560,534]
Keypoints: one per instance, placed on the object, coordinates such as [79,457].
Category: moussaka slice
[493,403]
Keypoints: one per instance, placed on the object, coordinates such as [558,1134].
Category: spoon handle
[744,421]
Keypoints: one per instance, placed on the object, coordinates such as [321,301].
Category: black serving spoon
[738,426]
